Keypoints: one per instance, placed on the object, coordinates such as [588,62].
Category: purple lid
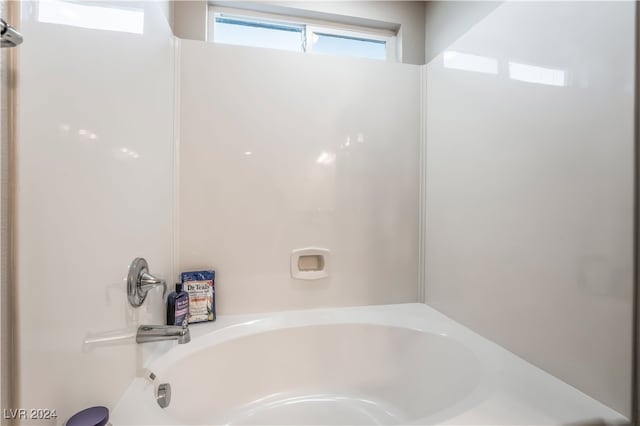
[94,416]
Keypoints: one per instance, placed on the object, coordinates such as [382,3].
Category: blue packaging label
[182,310]
[202,300]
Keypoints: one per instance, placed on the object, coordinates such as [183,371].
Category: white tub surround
[529,187]
[392,364]
[281,151]
[94,155]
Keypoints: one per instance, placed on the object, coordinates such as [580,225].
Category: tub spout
[158,333]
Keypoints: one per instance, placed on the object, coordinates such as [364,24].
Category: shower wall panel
[94,188]
[529,187]
[281,151]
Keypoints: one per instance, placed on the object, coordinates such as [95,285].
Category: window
[346,44]
[247,32]
[245,28]
[93,15]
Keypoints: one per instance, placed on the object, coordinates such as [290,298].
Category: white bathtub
[394,364]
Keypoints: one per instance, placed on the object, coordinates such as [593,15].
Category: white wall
[529,234]
[446,21]
[190,18]
[242,214]
[85,208]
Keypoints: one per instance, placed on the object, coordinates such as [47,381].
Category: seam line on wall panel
[635,379]
[175,169]
[422,190]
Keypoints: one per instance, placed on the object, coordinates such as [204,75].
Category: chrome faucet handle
[148,281]
[140,281]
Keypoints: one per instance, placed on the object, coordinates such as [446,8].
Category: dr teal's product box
[202,295]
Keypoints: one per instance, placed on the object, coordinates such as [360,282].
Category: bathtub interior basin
[322,374]
[392,364]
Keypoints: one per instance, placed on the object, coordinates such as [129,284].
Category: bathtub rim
[158,356]
[414,316]
[407,316]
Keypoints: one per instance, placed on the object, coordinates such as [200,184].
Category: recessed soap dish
[309,263]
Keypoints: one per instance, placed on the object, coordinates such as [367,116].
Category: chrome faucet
[139,282]
[159,333]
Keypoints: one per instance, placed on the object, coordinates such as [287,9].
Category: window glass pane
[93,15]
[349,46]
[246,32]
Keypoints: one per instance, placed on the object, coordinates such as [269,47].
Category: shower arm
[9,36]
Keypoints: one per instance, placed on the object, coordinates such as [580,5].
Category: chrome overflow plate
[164,395]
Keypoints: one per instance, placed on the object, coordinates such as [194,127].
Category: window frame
[310,26]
